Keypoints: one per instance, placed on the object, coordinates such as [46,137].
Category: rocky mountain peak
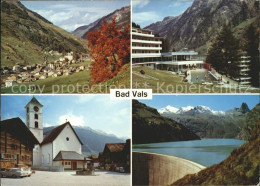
[244,108]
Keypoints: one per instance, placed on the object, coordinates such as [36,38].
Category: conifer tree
[224,53]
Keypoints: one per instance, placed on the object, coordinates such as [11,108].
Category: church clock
[36,109]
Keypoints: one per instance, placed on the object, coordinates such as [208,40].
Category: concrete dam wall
[158,169]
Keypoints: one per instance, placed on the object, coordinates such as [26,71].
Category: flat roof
[179,53]
[180,62]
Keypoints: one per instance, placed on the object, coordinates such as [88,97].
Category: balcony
[145,48]
[146,41]
[145,55]
[141,34]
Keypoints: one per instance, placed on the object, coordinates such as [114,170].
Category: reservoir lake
[205,151]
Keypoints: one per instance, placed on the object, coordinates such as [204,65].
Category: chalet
[13,77]
[16,67]
[101,160]
[95,160]
[42,77]
[9,83]
[113,155]
[17,143]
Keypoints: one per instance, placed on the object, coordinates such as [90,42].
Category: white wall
[61,144]
[47,154]
[37,153]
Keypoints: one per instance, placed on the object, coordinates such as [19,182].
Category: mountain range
[208,123]
[122,18]
[197,27]
[26,36]
[240,168]
[93,141]
[150,127]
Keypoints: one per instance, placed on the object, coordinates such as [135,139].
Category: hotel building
[147,51]
[244,70]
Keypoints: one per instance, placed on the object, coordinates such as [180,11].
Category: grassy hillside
[240,168]
[69,84]
[150,127]
[26,36]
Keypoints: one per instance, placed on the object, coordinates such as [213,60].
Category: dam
[159,169]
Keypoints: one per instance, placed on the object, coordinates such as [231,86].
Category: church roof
[35,101]
[69,155]
[50,136]
[17,128]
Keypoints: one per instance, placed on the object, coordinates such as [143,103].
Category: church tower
[34,118]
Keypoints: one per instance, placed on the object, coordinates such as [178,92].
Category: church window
[36,124]
[35,116]
[27,109]
[67,139]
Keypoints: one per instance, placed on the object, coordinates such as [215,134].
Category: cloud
[73,119]
[140,3]
[142,17]
[70,16]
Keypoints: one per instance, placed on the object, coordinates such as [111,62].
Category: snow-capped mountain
[209,123]
[190,110]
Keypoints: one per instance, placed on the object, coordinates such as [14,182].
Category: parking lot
[44,178]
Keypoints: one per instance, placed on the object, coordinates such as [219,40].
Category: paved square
[44,178]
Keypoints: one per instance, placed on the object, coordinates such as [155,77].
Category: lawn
[166,82]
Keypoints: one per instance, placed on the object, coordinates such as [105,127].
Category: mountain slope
[199,24]
[26,36]
[150,127]
[240,168]
[122,18]
[93,141]
[252,117]
[208,123]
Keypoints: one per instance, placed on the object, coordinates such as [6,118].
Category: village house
[9,83]
[116,155]
[17,143]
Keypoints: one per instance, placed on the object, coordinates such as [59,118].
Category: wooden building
[116,155]
[17,143]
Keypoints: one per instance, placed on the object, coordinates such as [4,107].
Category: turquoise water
[205,152]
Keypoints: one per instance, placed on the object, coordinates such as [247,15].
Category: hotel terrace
[146,51]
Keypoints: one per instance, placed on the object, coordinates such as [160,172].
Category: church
[58,149]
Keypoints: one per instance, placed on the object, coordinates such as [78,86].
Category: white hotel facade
[147,51]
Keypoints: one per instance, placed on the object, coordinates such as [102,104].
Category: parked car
[15,172]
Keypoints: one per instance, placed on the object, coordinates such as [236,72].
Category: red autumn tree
[110,49]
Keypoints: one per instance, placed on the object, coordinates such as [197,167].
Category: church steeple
[34,118]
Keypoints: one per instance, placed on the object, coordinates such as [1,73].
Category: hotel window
[35,116]
[65,163]
[36,124]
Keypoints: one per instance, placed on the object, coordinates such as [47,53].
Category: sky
[95,111]
[146,12]
[70,15]
[215,102]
